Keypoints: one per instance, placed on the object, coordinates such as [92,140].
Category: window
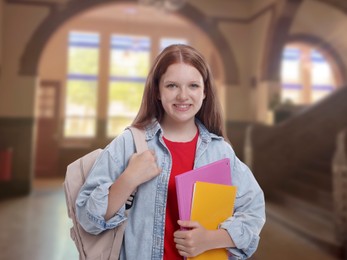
[165,42]
[81,87]
[306,75]
[322,77]
[124,66]
[291,76]
[129,66]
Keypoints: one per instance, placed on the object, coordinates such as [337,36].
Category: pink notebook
[217,172]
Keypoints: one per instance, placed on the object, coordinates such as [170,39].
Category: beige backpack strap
[118,239]
[139,139]
[141,146]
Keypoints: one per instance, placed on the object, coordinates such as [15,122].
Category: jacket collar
[154,129]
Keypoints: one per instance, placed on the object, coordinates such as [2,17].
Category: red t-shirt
[183,155]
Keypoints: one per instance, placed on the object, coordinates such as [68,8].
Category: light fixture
[167,5]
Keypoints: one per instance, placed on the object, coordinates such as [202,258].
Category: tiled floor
[36,227]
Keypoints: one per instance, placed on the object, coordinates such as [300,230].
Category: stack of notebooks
[206,195]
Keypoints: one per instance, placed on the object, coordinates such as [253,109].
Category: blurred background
[72,74]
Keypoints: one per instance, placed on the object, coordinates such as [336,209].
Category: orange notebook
[212,204]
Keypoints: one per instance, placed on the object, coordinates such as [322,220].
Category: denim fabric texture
[144,234]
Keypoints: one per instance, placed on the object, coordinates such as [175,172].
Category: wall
[259,36]
[237,37]
[17,124]
[17,92]
[1,36]
[332,25]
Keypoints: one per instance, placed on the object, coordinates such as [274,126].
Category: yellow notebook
[211,205]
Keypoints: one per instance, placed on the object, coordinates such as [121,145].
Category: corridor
[36,227]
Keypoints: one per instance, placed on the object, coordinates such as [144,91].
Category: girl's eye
[171,85]
[194,85]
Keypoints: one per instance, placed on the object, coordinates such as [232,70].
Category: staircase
[304,203]
[293,163]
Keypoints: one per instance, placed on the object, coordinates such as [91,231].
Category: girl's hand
[192,241]
[142,167]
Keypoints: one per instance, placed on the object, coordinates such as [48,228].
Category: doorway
[47,146]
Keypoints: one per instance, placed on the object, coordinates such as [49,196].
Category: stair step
[323,165]
[309,192]
[308,225]
[294,202]
[319,179]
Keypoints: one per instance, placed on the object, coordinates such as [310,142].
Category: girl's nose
[182,94]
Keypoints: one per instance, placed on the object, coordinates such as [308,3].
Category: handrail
[282,150]
[339,168]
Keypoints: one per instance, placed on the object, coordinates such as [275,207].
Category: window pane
[129,56]
[321,72]
[81,85]
[290,75]
[83,53]
[81,98]
[129,66]
[79,127]
[125,98]
[290,70]
[117,124]
[124,103]
[321,76]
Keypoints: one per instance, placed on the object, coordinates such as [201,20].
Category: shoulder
[123,137]
[208,137]
[121,145]
[215,144]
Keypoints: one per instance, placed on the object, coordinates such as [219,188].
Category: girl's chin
[182,120]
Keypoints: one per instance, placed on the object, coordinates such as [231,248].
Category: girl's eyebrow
[190,81]
[169,82]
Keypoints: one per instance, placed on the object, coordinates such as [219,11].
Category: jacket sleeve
[249,212]
[92,200]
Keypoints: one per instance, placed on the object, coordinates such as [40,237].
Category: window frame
[305,62]
[93,43]
[104,75]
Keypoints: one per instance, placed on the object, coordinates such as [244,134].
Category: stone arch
[278,36]
[31,55]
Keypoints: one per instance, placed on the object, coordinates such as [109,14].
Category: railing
[248,150]
[339,168]
[280,151]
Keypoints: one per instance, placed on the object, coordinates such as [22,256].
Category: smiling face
[181,92]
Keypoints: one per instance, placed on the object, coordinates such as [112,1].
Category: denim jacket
[144,233]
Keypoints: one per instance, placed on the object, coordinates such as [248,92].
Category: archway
[59,36]
[32,53]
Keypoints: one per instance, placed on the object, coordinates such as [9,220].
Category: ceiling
[134,13]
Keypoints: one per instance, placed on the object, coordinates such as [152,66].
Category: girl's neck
[176,132]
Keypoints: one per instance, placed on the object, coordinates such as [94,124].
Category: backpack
[106,245]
